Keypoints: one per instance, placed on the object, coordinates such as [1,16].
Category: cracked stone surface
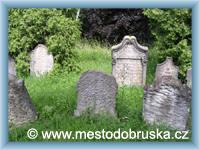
[168,103]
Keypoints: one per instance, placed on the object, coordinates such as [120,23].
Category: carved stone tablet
[189,78]
[167,68]
[129,61]
[41,60]
[168,103]
[96,93]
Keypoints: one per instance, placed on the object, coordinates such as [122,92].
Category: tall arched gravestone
[167,68]
[41,60]
[129,62]
[168,100]
[20,106]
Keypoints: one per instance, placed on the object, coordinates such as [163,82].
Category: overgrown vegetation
[54,96]
[56,28]
[172,31]
[111,25]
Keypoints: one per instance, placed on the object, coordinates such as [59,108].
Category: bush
[171,29]
[111,25]
[22,65]
[55,28]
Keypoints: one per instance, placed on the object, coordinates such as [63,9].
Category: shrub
[56,28]
[171,29]
[111,25]
[62,41]
[22,65]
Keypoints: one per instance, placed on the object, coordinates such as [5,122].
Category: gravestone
[168,100]
[189,78]
[41,61]
[168,104]
[96,93]
[11,66]
[129,62]
[167,68]
[20,106]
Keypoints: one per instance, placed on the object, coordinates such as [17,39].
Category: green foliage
[129,102]
[171,29]
[111,25]
[151,66]
[56,28]
[63,40]
[55,98]
[22,65]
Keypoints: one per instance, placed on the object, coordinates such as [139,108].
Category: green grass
[54,97]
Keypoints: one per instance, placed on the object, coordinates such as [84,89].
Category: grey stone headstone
[41,61]
[11,66]
[167,104]
[96,93]
[167,68]
[20,107]
[189,78]
[129,62]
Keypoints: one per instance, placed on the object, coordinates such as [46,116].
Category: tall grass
[54,97]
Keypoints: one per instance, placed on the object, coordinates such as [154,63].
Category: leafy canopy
[171,29]
[56,28]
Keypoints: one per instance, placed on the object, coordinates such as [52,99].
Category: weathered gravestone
[129,62]
[20,107]
[167,68]
[96,93]
[189,78]
[11,66]
[41,60]
[167,101]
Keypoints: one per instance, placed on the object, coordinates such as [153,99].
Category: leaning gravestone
[189,78]
[167,68]
[168,104]
[20,107]
[168,101]
[41,60]
[96,93]
[129,62]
